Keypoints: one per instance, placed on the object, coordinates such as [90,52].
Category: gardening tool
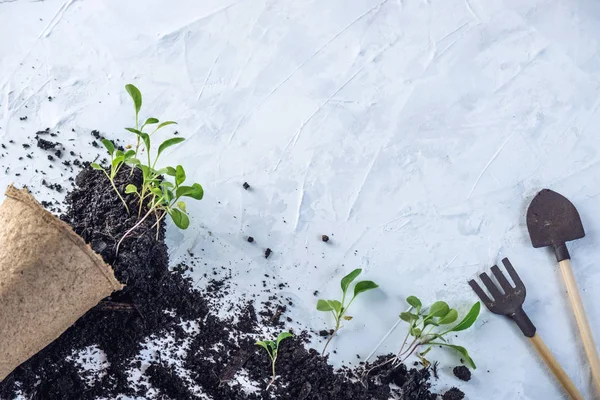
[510,303]
[553,220]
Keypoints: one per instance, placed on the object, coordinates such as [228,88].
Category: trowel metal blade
[553,220]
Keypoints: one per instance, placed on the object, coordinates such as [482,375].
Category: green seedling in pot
[272,348]
[117,159]
[428,327]
[339,308]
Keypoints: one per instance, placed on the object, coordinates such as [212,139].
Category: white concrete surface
[414,133]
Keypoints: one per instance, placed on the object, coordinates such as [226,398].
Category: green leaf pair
[272,348]
[340,308]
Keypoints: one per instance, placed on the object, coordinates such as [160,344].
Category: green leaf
[347,280]
[168,194]
[109,146]
[146,138]
[282,336]
[163,124]
[449,318]
[118,160]
[438,309]
[262,344]
[171,171]
[133,161]
[468,320]
[145,171]
[133,130]
[323,305]
[363,286]
[151,121]
[336,305]
[130,189]
[181,206]
[195,191]
[129,154]
[168,143]
[430,321]
[156,191]
[408,317]
[179,175]
[179,218]
[136,96]
[415,302]
[416,332]
[463,352]
[96,166]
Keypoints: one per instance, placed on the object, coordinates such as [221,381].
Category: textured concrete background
[414,133]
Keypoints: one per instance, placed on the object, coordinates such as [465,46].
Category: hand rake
[509,302]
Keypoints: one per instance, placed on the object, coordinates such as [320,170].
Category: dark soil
[158,303]
[454,394]
[462,373]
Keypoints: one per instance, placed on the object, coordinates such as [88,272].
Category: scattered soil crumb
[454,394]
[463,373]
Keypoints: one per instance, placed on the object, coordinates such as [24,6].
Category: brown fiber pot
[49,277]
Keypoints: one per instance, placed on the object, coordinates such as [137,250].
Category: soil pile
[213,356]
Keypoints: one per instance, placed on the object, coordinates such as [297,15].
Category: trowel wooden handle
[555,367]
[582,322]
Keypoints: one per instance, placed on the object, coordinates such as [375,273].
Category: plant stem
[132,229]
[337,327]
[157,223]
[117,191]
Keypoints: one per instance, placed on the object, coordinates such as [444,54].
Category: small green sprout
[428,326]
[272,348]
[117,159]
[339,308]
[136,96]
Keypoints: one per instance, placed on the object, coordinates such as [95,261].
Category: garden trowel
[552,220]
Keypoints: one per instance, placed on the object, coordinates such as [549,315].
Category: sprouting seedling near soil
[272,348]
[339,308]
[136,96]
[117,159]
[163,197]
[428,328]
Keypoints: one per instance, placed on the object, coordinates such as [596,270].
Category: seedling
[161,197]
[272,348]
[117,159]
[339,308]
[428,328]
[164,197]
[136,96]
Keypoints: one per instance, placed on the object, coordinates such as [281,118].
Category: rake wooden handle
[555,367]
[582,322]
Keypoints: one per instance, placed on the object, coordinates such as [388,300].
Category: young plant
[339,308]
[272,348]
[117,159]
[428,327]
[163,197]
[136,96]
